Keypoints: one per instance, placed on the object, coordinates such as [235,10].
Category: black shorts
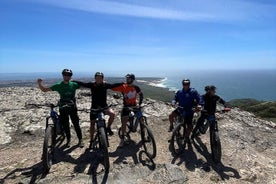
[188,118]
[94,115]
[125,112]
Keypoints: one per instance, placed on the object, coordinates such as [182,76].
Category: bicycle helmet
[131,76]
[210,88]
[99,74]
[207,88]
[213,88]
[186,81]
[67,71]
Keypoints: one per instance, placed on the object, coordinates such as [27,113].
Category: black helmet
[99,74]
[67,71]
[210,88]
[186,81]
[207,88]
[131,76]
[213,88]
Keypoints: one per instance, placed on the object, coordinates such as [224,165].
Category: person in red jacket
[130,93]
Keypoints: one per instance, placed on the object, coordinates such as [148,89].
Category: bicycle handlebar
[135,108]
[102,108]
[97,109]
[226,109]
[195,109]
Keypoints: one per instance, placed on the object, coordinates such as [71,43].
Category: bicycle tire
[104,148]
[177,142]
[215,146]
[148,140]
[48,148]
[127,132]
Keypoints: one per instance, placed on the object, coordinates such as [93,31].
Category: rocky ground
[248,147]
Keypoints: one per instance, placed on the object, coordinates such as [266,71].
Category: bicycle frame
[212,122]
[54,115]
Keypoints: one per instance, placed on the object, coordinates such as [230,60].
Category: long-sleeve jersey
[130,93]
[187,99]
[210,103]
[98,92]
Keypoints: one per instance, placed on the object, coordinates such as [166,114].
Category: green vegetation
[157,93]
[266,110]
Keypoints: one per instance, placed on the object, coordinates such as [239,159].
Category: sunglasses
[186,84]
[67,75]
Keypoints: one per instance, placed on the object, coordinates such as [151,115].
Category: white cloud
[196,10]
[117,8]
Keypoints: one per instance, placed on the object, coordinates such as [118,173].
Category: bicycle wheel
[177,143]
[104,149]
[48,148]
[147,139]
[215,146]
[127,134]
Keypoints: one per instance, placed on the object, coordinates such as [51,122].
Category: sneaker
[122,143]
[170,128]
[109,131]
[80,144]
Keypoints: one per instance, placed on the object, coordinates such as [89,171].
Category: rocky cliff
[248,147]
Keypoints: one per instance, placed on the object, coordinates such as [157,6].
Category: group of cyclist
[187,98]
[189,101]
[67,90]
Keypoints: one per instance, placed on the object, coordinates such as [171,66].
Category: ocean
[259,85]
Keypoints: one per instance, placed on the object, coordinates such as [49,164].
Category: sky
[146,36]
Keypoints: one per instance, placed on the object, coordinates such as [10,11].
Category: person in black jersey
[99,99]
[209,99]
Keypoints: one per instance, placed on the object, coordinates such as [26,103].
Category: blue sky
[136,35]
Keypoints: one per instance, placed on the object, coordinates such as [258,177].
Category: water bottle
[130,119]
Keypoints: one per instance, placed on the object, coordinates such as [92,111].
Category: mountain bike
[179,139]
[101,143]
[214,135]
[53,129]
[136,118]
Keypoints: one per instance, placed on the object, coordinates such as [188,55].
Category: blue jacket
[187,99]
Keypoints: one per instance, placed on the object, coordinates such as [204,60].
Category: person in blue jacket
[187,98]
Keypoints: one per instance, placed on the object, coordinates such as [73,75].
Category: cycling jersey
[210,103]
[187,99]
[130,94]
[66,91]
[98,92]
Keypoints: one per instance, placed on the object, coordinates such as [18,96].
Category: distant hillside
[262,109]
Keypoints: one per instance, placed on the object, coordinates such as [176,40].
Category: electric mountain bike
[53,129]
[136,118]
[100,142]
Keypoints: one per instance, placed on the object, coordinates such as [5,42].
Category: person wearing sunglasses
[187,98]
[67,104]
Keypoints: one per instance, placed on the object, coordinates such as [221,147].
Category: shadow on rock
[188,157]
[145,160]
[225,172]
[35,172]
[94,160]
[129,150]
